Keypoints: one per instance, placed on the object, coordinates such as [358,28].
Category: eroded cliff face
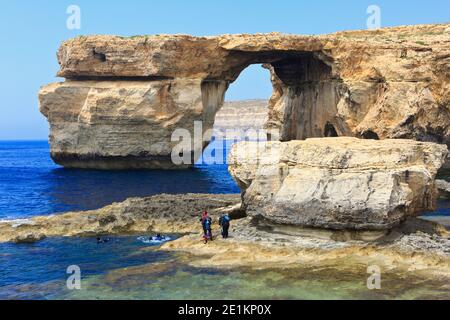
[126,124]
[337,183]
[124,96]
[241,120]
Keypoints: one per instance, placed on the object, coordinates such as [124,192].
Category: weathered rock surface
[161,213]
[337,183]
[414,246]
[124,124]
[28,237]
[388,83]
[241,119]
[443,188]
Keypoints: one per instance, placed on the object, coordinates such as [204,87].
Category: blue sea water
[127,267]
[31,184]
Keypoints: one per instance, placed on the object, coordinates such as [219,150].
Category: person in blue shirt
[224,222]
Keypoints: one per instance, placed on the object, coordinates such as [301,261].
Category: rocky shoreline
[424,248]
[334,201]
[416,244]
[161,213]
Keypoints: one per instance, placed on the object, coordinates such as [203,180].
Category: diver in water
[159,237]
[224,222]
[100,240]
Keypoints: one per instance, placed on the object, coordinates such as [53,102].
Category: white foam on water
[152,240]
[17,222]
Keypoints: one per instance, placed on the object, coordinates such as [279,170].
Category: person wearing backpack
[224,222]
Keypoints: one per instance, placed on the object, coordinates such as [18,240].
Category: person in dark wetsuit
[100,240]
[202,220]
[206,225]
[224,222]
[159,237]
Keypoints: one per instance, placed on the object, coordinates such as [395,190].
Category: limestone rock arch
[123,97]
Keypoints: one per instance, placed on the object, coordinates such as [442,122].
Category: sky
[31,32]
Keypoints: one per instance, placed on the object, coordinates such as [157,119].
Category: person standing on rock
[206,224]
[224,222]
[202,220]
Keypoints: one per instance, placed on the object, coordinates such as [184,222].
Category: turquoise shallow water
[126,268]
[40,265]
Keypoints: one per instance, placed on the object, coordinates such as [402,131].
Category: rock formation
[123,124]
[123,97]
[443,188]
[241,119]
[161,213]
[337,183]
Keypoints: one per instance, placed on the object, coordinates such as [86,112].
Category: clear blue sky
[32,30]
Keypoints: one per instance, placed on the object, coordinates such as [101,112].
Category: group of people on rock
[206,220]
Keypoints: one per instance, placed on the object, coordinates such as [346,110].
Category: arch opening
[245,109]
[303,100]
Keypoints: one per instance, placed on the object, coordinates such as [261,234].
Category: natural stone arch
[124,97]
[305,91]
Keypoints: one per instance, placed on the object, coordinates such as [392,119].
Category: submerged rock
[337,183]
[124,97]
[30,237]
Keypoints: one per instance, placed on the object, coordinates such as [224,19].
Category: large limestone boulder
[337,183]
[373,84]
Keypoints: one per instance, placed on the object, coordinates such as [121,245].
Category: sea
[128,267]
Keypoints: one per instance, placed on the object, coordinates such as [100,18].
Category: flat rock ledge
[337,183]
[416,244]
[162,213]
